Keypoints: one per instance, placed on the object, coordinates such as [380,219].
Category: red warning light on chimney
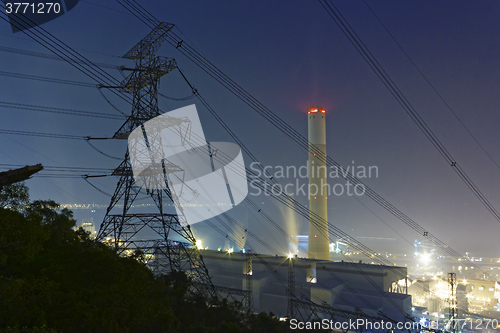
[316,110]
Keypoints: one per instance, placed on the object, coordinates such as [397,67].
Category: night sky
[290,55]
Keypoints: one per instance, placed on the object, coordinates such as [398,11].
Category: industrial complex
[182,203]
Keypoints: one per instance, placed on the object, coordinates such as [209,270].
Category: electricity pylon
[119,229]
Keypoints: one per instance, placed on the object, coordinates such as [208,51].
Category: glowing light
[425,258]
[313,110]
[198,243]
[290,255]
[230,250]
[323,111]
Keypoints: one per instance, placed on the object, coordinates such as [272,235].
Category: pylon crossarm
[150,44]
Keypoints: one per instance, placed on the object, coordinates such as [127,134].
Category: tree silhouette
[55,279]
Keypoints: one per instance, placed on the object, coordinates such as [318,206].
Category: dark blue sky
[290,55]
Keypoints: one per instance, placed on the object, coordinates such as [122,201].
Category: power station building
[273,281]
[372,289]
[343,285]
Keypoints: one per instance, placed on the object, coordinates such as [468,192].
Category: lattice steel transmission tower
[120,229]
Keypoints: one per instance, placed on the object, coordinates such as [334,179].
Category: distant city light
[425,259]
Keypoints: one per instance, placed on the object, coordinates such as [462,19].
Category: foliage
[14,196]
[53,279]
[50,276]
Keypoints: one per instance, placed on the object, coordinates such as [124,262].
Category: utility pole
[249,280]
[119,228]
[291,287]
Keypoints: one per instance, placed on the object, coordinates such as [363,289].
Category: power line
[215,73]
[99,5]
[48,109]
[144,18]
[100,151]
[303,143]
[431,85]
[48,79]
[44,135]
[84,50]
[304,212]
[273,250]
[60,136]
[63,52]
[86,178]
[179,99]
[356,41]
[51,56]
[248,99]
[52,168]
[81,84]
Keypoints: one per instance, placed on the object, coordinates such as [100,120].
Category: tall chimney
[318,231]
